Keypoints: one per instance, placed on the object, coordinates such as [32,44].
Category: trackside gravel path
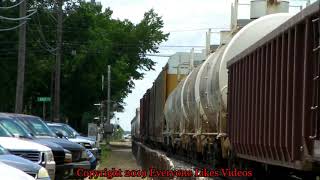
[120,157]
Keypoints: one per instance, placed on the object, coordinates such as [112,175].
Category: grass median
[105,153]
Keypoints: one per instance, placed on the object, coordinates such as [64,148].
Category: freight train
[255,99]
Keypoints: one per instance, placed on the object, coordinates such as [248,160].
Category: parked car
[62,157]
[34,152]
[10,173]
[72,135]
[127,137]
[77,134]
[38,129]
[25,165]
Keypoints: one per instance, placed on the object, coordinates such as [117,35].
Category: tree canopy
[92,40]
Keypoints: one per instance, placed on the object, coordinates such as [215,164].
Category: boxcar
[273,95]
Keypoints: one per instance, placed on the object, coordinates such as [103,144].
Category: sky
[187,22]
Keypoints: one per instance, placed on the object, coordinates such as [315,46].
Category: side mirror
[59,134]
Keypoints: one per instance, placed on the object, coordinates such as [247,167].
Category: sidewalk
[120,157]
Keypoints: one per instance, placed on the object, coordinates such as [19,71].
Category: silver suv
[72,135]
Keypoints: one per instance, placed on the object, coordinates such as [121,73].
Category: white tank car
[197,106]
[245,38]
[207,94]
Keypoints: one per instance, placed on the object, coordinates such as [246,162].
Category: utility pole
[108,96]
[56,107]
[101,115]
[101,105]
[21,59]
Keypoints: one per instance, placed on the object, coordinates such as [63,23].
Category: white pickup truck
[34,152]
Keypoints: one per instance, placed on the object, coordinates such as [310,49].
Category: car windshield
[4,132]
[65,131]
[14,128]
[72,130]
[37,126]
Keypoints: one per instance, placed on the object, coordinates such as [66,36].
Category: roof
[20,115]
[4,115]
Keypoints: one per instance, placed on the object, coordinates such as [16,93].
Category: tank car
[256,98]
[198,105]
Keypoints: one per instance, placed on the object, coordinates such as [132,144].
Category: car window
[73,130]
[4,132]
[14,128]
[57,129]
[28,129]
[38,127]
[66,132]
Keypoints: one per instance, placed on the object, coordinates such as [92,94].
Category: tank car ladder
[316,77]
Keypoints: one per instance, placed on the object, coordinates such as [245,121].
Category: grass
[104,156]
[104,159]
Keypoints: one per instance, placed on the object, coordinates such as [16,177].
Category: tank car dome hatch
[245,38]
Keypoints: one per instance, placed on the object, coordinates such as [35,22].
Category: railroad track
[179,159]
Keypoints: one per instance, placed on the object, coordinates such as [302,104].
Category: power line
[12,51]
[15,27]
[199,29]
[160,55]
[9,7]
[109,45]
[72,29]
[48,47]
[20,18]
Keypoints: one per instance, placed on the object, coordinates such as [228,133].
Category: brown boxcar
[146,105]
[144,111]
[160,99]
[273,96]
[151,105]
[142,120]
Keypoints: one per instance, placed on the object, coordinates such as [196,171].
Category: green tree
[92,40]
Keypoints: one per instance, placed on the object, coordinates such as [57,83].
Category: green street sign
[44,99]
